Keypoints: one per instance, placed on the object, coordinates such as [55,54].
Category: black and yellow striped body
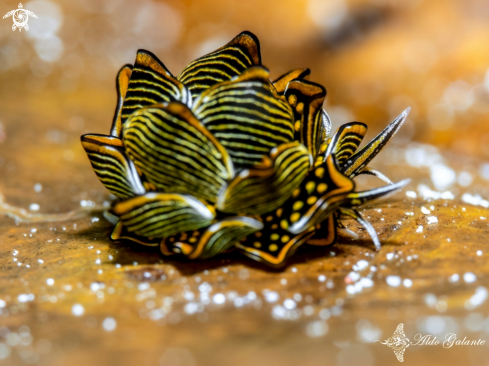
[157,215]
[306,99]
[268,186]
[346,141]
[112,166]
[223,64]
[221,157]
[246,116]
[176,153]
[151,83]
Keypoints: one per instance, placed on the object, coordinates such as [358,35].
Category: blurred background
[375,57]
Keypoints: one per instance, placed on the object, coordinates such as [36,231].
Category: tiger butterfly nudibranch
[220,157]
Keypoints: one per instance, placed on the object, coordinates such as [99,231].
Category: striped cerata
[222,158]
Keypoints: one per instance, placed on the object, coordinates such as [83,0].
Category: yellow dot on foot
[322,187]
[312,200]
[310,186]
[294,217]
[297,205]
[292,100]
[319,172]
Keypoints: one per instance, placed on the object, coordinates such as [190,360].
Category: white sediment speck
[389,256]
[425,210]
[289,304]
[191,308]
[426,192]
[465,179]
[454,277]
[25,297]
[419,229]
[143,286]
[361,264]
[477,299]
[354,276]
[479,252]
[321,278]
[219,299]
[430,299]
[34,207]
[469,277]
[442,176]
[50,281]
[432,219]
[77,310]
[109,324]
[407,282]
[271,296]
[411,194]
[476,200]
[317,328]
[393,281]
[366,282]
[279,312]
[324,314]
[350,289]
